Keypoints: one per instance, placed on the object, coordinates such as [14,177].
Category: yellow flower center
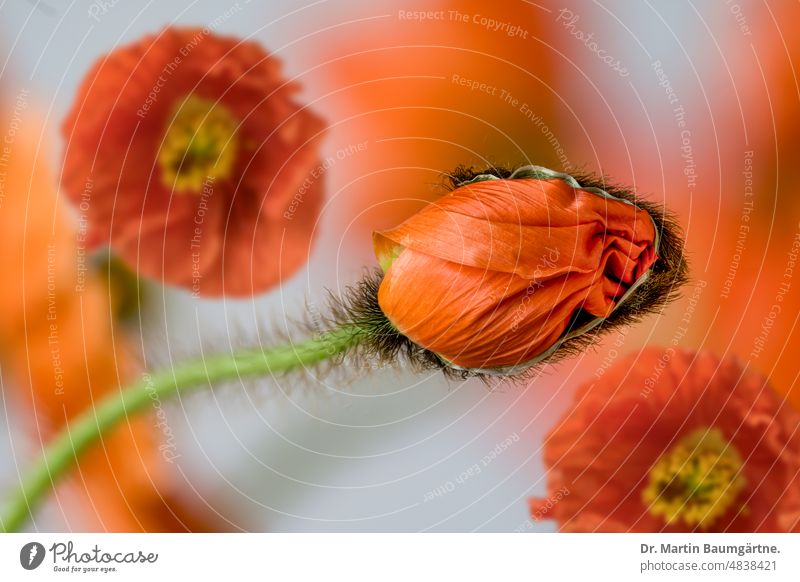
[200,145]
[697,481]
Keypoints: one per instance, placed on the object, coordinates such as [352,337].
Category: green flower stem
[90,426]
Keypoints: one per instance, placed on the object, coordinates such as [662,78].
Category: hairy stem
[90,426]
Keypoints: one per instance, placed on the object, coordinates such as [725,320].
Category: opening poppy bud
[507,268]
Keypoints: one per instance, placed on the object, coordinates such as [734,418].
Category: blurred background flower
[673,440]
[693,105]
[187,153]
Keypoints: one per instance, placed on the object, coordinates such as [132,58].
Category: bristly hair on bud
[384,344]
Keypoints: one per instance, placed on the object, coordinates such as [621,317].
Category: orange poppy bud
[497,275]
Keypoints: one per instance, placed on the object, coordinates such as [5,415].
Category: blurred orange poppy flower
[675,441]
[187,153]
[494,274]
[426,95]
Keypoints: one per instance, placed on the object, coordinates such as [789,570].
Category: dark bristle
[464,174]
[382,343]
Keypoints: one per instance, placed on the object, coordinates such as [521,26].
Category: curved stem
[87,428]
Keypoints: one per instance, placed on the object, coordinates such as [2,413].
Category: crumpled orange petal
[494,273]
